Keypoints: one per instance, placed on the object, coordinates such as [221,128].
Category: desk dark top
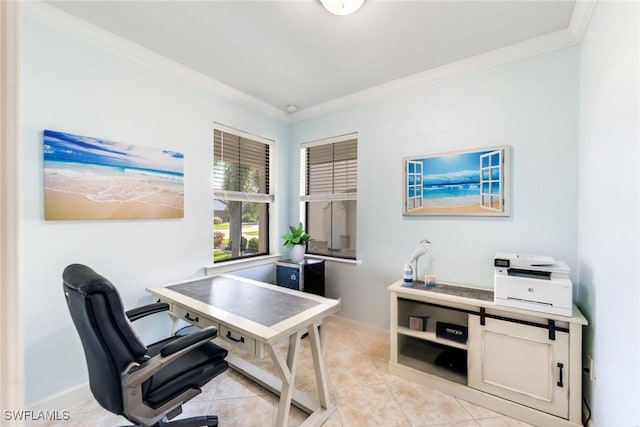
[252,302]
[479,294]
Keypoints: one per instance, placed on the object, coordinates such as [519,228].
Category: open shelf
[427,356]
[430,335]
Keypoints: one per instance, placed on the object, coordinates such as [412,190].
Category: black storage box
[451,331]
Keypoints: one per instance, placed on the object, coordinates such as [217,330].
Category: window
[242,193]
[329,174]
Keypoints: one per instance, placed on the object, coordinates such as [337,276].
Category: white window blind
[241,168]
[331,171]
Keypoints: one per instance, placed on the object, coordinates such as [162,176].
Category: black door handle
[560,383]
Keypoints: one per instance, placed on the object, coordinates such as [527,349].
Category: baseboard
[64,400]
[373,331]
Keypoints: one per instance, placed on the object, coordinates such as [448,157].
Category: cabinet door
[288,276]
[520,363]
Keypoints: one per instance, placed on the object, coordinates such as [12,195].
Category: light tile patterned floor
[361,387]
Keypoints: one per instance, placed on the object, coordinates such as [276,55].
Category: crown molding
[65,22]
[69,24]
[504,55]
[572,35]
[580,18]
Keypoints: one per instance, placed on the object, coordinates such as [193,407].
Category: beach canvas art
[90,178]
[473,182]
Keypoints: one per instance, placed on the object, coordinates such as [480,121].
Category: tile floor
[361,387]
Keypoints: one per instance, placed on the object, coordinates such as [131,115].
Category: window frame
[267,197]
[332,197]
[491,181]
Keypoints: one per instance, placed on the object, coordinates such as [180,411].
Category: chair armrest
[203,335]
[138,372]
[145,310]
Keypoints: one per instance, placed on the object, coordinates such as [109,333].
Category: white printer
[533,282]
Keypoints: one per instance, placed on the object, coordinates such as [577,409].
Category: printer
[533,282]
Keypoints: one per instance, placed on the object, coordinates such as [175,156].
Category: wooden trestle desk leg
[317,352]
[287,371]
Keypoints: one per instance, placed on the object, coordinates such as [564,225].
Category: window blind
[331,171]
[241,168]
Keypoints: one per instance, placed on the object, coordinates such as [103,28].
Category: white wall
[609,210]
[73,86]
[530,104]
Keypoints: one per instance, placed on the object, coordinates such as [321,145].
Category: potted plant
[296,239]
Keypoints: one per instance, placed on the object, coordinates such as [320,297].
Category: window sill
[334,259]
[240,264]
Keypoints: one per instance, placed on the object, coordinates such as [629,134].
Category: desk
[260,316]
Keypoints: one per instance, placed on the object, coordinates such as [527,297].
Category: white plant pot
[297,253]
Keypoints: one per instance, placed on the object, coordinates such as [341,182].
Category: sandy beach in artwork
[451,210]
[60,205]
[469,205]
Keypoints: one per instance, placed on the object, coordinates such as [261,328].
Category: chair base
[201,421]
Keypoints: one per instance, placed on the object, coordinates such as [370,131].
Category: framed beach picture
[472,182]
[91,178]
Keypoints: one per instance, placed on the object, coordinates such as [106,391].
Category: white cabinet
[523,364]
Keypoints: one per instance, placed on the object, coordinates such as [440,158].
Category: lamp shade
[342,7]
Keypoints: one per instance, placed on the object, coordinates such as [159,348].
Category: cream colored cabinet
[520,363]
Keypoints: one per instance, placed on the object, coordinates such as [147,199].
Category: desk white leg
[318,363]
[323,339]
[287,371]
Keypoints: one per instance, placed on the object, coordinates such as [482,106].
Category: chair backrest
[110,343]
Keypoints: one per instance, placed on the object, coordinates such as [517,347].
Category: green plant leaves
[296,236]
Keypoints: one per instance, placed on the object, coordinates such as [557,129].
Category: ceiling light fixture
[291,108]
[342,7]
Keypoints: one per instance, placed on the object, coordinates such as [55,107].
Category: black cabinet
[306,275]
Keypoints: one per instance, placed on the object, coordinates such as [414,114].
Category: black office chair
[145,384]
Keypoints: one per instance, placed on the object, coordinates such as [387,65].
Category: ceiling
[295,52]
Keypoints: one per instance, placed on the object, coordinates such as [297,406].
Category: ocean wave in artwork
[106,184]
